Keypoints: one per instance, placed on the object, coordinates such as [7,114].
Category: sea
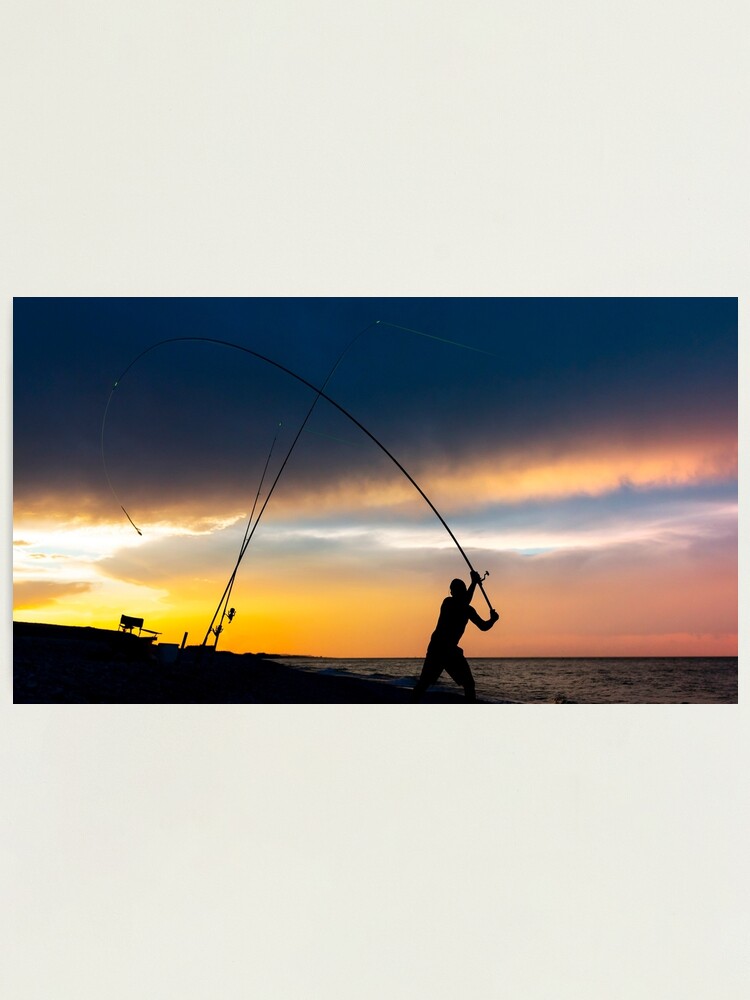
[682,680]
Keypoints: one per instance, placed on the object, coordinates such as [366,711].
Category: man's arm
[480,623]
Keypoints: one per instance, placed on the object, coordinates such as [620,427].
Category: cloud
[529,477]
[543,529]
[40,593]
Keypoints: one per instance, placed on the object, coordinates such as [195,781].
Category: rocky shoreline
[57,664]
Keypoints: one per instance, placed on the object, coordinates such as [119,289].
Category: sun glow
[86,543]
[58,575]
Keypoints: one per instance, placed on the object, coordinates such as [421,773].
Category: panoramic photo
[366,500]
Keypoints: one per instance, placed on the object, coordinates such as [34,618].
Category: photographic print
[375,500]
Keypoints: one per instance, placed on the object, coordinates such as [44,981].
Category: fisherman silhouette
[443,651]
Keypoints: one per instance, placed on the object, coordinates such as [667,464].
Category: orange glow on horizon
[600,614]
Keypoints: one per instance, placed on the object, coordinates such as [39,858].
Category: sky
[581,451]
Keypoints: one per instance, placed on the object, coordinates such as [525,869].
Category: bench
[127,624]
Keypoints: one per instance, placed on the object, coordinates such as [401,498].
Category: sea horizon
[561,679]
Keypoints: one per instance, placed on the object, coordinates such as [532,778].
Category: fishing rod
[322,395]
[225,597]
[248,537]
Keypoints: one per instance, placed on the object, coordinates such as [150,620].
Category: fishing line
[442,340]
[104,463]
[320,394]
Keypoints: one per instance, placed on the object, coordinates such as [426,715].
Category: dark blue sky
[533,373]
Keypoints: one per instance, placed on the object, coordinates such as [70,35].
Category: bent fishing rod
[321,394]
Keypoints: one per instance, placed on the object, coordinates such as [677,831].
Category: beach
[65,664]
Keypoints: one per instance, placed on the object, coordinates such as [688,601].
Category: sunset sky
[583,451]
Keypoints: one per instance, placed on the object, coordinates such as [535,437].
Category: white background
[351,148]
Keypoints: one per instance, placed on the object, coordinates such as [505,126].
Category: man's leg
[431,670]
[458,668]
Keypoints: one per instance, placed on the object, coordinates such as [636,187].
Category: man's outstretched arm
[480,623]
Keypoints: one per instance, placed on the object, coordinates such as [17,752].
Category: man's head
[458,588]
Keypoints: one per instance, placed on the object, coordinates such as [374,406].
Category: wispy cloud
[40,593]
[666,518]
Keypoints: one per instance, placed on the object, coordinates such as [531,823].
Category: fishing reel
[218,629]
